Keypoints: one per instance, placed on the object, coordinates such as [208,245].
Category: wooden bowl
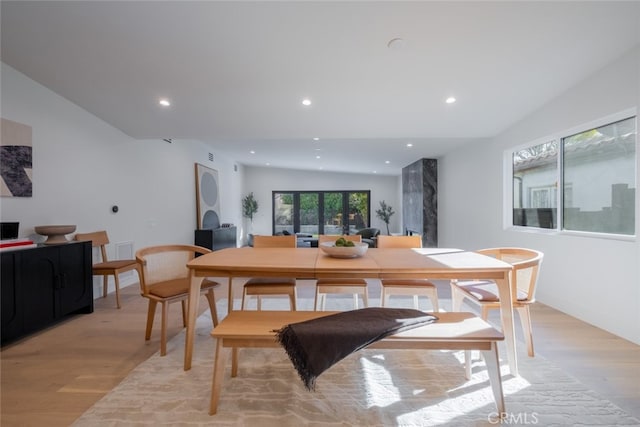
[344,251]
[55,233]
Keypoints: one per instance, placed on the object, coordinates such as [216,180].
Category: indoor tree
[384,213]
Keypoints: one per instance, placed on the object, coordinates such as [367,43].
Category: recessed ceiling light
[164,102]
[317,157]
[387,161]
[252,152]
[450,100]
[375,171]
[306,102]
[396,43]
[268,164]
[409,145]
[316,139]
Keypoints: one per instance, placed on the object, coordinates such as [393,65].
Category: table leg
[506,316]
[194,296]
[218,374]
[492,362]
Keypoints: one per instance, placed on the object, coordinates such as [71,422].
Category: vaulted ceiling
[377,73]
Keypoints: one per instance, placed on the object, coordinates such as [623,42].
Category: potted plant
[384,213]
[249,209]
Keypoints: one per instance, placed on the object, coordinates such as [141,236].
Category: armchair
[368,235]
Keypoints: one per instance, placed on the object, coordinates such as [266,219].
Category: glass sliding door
[283,212]
[309,213]
[358,211]
[321,212]
[332,210]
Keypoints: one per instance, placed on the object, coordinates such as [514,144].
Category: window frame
[508,186]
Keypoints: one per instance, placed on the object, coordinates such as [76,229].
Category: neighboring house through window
[582,180]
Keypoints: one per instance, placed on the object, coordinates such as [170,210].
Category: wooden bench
[452,331]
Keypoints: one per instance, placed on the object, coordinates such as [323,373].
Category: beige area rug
[368,388]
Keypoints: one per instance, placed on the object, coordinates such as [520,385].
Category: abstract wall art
[16,159]
[207,197]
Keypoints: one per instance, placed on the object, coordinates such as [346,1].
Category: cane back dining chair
[413,287]
[106,268]
[267,286]
[524,277]
[165,279]
[340,286]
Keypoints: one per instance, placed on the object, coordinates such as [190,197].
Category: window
[589,176]
[320,212]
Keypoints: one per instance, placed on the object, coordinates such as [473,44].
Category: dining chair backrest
[290,241]
[99,239]
[526,264]
[165,262]
[385,241]
[332,238]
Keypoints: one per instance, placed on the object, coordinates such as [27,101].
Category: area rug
[368,388]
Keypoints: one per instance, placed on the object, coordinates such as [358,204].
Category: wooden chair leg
[316,300]
[525,321]
[183,304]
[163,333]
[355,301]
[212,306]
[467,364]
[293,297]
[151,312]
[456,299]
[383,298]
[244,298]
[117,282]
[365,298]
[105,285]
[416,304]
[434,303]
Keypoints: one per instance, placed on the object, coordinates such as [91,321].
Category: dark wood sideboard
[217,238]
[43,285]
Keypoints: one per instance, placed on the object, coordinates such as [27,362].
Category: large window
[588,176]
[320,212]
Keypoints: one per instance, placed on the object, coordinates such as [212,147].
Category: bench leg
[218,375]
[493,369]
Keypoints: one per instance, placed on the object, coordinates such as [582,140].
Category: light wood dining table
[377,263]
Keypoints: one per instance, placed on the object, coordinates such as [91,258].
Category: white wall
[263,180]
[82,166]
[594,279]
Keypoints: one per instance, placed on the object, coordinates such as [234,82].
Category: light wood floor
[52,377]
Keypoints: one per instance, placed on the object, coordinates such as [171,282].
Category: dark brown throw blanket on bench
[315,345]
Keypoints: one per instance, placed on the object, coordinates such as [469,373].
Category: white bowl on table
[334,251]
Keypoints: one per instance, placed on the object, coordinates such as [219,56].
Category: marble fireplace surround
[420,200]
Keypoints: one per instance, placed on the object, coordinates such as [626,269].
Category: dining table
[376,263]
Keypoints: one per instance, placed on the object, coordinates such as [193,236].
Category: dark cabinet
[215,239]
[42,285]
